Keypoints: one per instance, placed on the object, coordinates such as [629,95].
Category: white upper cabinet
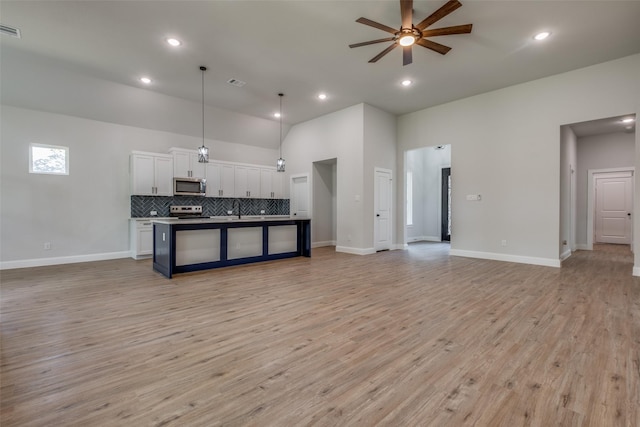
[270,184]
[151,174]
[186,165]
[220,180]
[247,181]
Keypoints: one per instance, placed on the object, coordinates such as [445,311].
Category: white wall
[613,150]
[568,165]
[380,135]
[339,136]
[505,146]
[85,214]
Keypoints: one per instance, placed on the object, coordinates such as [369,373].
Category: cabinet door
[181,163]
[277,186]
[266,187]
[227,180]
[241,181]
[142,175]
[214,179]
[145,240]
[163,176]
[197,168]
[253,182]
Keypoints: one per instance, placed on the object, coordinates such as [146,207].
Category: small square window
[49,159]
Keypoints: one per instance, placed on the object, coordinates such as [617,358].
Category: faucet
[239,205]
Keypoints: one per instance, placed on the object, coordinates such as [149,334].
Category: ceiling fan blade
[449,7]
[406,12]
[437,47]
[446,31]
[388,39]
[406,55]
[383,53]
[377,25]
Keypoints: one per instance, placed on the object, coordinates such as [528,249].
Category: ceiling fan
[410,34]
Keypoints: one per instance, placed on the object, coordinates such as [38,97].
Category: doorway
[427,203]
[325,187]
[610,206]
[300,196]
[445,205]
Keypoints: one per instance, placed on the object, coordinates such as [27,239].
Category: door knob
[377,214]
[628,213]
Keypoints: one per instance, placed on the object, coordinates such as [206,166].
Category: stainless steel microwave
[189,186]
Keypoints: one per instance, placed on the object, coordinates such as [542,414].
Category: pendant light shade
[203,152]
[280,162]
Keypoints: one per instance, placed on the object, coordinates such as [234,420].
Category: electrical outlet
[153,213]
[229,212]
[47,246]
[261,211]
[503,243]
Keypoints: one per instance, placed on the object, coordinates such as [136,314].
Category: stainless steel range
[186,212]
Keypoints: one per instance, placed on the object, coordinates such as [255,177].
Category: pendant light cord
[280,95]
[203,69]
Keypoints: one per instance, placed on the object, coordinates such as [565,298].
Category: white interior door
[613,208]
[300,196]
[382,207]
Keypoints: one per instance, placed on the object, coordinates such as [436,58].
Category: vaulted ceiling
[301,48]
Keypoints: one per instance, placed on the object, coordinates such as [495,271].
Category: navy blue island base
[167,233]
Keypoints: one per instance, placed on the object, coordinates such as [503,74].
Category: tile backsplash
[141,206]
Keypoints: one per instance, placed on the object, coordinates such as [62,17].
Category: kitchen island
[183,245]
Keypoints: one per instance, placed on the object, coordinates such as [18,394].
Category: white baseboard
[400,246]
[547,262]
[41,262]
[636,271]
[424,239]
[355,251]
[583,247]
[322,244]
[566,254]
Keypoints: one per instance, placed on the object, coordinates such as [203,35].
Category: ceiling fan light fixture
[407,40]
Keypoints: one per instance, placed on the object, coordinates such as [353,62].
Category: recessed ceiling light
[541,36]
[322,96]
[174,42]
[628,120]
[145,80]
[406,82]
[276,115]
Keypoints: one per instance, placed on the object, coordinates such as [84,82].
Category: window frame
[55,147]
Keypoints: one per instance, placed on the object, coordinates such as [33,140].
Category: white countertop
[224,219]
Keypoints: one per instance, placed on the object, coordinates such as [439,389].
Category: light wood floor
[401,338]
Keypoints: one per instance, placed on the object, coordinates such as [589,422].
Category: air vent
[236,82]
[10,31]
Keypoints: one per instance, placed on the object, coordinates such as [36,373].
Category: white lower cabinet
[141,238]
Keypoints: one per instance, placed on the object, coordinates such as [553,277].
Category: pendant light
[203,152]
[280,162]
